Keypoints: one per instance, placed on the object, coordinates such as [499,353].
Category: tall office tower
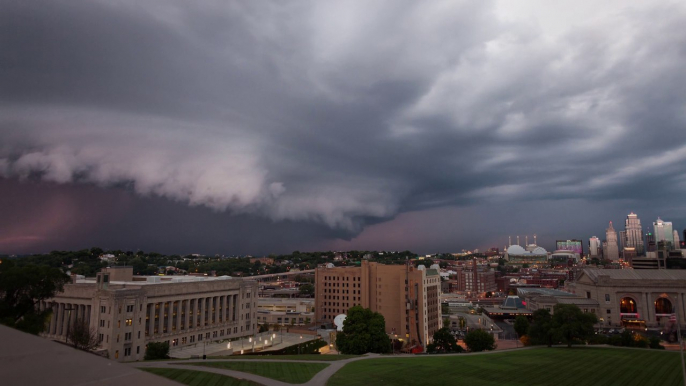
[622,240]
[594,246]
[633,234]
[651,244]
[612,251]
[683,241]
[663,233]
[677,242]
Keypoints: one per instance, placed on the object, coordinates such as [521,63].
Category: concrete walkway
[319,379]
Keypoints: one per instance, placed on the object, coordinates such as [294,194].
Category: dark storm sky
[256,127]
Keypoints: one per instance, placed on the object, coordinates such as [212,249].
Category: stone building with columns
[634,297]
[127,312]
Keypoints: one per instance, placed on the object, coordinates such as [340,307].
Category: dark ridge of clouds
[330,117]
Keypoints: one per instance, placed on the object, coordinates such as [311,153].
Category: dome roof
[539,251]
[515,250]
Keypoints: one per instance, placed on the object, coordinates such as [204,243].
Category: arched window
[627,306]
[663,306]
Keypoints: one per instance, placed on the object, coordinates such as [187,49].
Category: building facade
[285,312]
[629,296]
[128,312]
[663,233]
[594,247]
[407,297]
[633,233]
[611,251]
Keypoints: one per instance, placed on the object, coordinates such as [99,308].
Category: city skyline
[260,128]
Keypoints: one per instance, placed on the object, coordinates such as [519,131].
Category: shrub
[157,350]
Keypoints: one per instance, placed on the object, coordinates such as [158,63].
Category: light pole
[300,344]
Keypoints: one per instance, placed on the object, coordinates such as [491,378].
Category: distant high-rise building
[651,244]
[612,251]
[683,241]
[594,246]
[677,242]
[663,233]
[633,234]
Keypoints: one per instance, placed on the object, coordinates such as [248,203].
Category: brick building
[407,297]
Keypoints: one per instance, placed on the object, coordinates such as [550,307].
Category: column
[160,317]
[201,309]
[89,310]
[222,300]
[217,306]
[53,320]
[151,319]
[60,321]
[178,315]
[186,317]
[170,316]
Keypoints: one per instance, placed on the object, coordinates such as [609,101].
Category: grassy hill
[580,366]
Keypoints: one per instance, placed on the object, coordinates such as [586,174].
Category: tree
[22,288]
[156,350]
[444,342]
[479,340]
[541,330]
[521,326]
[306,290]
[363,331]
[264,327]
[81,336]
[572,324]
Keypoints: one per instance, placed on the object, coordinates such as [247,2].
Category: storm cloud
[329,117]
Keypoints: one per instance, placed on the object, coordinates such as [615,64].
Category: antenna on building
[509,240]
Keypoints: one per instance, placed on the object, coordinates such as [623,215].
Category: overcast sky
[262,127]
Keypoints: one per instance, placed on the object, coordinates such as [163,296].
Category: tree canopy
[444,342]
[521,325]
[363,331]
[572,323]
[21,288]
[479,340]
[568,324]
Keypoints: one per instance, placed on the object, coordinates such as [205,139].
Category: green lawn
[283,371]
[541,366]
[197,378]
[305,357]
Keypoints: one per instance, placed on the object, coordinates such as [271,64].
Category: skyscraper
[633,234]
[612,250]
[677,242]
[594,246]
[663,233]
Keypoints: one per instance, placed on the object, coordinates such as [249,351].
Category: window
[127,351]
[116,354]
[103,309]
[129,322]
[607,298]
[129,308]
[102,323]
[138,349]
[139,334]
